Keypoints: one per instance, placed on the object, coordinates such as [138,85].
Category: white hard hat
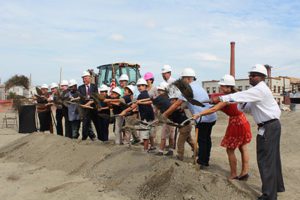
[104,88]
[162,86]
[131,88]
[117,90]
[124,77]
[53,85]
[72,82]
[141,81]
[227,80]
[44,86]
[259,68]
[166,68]
[189,72]
[64,82]
[85,73]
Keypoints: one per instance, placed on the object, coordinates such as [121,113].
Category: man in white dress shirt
[260,102]
[166,72]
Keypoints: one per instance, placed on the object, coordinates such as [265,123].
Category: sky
[38,38]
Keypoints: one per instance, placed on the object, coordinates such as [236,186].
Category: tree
[17,80]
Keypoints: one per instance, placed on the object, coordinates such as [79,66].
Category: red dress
[238,130]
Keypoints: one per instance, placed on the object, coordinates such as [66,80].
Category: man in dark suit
[89,115]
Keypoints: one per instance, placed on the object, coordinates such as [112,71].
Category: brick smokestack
[268,70]
[268,67]
[232,59]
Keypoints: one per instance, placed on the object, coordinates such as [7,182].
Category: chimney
[268,70]
[269,75]
[232,59]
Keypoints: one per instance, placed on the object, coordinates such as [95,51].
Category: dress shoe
[202,163]
[262,197]
[244,177]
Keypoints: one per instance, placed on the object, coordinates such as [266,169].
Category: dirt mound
[129,171]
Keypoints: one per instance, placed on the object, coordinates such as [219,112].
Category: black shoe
[202,163]
[159,153]
[169,153]
[262,197]
[203,167]
[244,177]
[133,142]
[92,137]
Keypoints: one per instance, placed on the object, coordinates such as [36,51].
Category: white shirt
[170,80]
[260,102]
[200,95]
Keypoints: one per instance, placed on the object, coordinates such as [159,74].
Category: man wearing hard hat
[123,81]
[166,72]
[86,89]
[168,130]
[104,110]
[44,110]
[73,115]
[203,126]
[58,113]
[64,88]
[259,101]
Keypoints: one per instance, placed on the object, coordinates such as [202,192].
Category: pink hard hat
[148,76]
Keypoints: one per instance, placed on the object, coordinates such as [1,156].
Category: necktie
[88,91]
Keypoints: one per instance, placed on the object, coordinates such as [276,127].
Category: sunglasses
[140,85]
[254,75]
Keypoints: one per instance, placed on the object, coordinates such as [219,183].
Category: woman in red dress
[238,133]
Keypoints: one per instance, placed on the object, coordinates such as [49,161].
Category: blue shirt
[146,111]
[200,95]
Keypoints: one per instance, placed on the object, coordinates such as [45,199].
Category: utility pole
[60,75]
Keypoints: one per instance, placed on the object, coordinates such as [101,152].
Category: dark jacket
[82,91]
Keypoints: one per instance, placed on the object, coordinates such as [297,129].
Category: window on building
[240,88]
[274,89]
[278,89]
[247,87]
[214,89]
[208,90]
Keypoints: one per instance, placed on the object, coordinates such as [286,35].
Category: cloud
[207,57]
[151,24]
[117,37]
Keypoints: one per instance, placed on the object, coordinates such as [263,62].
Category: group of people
[168,104]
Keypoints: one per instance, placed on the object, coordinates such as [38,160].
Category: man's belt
[266,122]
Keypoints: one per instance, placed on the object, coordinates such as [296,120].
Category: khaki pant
[130,122]
[167,131]
[184,135]
[118,130]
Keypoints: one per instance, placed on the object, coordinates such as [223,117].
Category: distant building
[2,92]
[280,86]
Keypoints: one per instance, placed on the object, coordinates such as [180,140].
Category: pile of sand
[45,166]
